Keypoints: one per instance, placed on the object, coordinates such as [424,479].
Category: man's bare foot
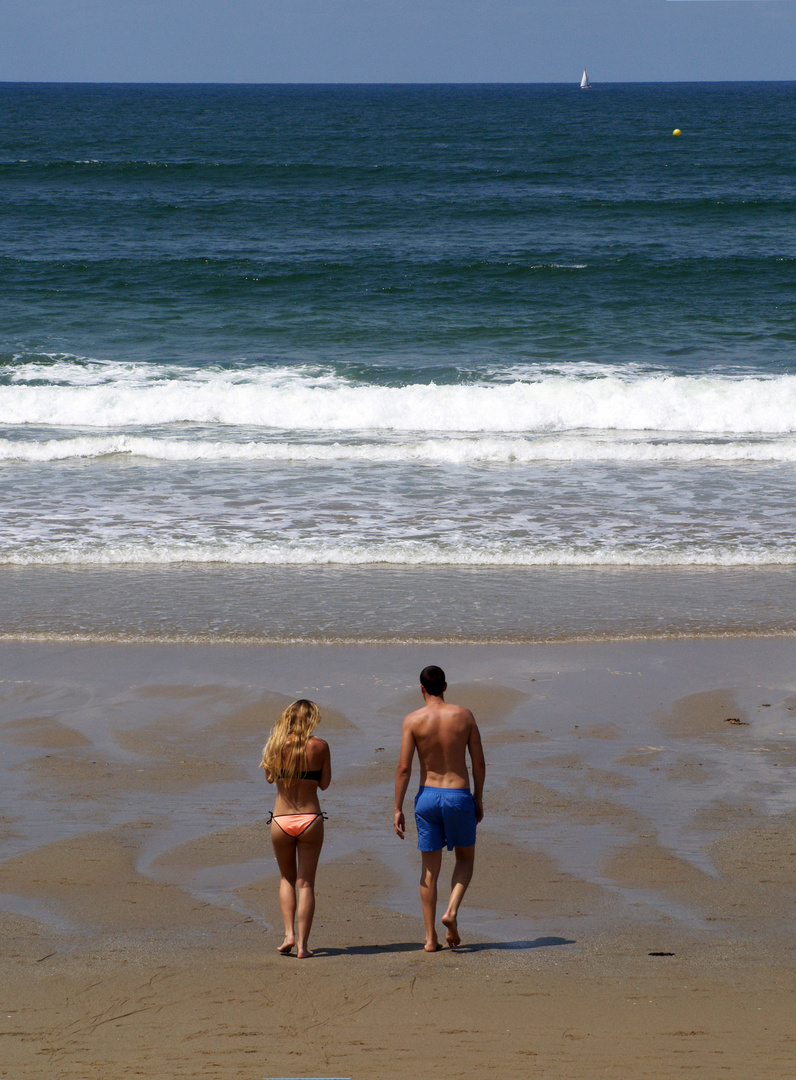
[452,930]
[304,953]
[286,945]
[432,946]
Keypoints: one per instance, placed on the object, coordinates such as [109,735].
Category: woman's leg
[309,846]
[285,852]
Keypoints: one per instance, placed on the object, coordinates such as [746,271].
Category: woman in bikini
[298,764]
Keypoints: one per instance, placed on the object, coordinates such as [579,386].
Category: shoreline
[388,642]
[387,605]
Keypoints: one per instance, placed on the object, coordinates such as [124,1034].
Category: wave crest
[290,400]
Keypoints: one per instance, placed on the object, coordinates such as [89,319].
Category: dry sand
[632,913]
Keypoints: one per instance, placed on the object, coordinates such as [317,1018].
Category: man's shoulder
[446,713]
[459,712]
[416,717]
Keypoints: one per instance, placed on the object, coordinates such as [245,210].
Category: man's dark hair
[432,679]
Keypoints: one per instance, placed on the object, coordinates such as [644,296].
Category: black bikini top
[310,774]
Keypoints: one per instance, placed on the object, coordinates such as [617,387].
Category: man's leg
[460,879]
[432,861]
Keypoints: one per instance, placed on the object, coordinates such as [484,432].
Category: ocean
[397,362]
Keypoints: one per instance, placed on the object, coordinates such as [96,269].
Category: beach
[306,387]
[631,912]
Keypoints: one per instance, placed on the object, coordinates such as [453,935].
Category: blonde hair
[291,732]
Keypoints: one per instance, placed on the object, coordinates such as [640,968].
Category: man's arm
[479,768]
[402,774]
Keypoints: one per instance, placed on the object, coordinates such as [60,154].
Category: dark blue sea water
[263,332]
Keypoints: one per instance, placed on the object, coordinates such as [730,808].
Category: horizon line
[414,82]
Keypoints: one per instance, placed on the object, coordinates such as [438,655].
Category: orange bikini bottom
[294,824]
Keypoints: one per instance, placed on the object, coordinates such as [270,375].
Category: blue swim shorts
[444,816]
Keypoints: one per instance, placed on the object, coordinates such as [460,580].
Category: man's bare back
[445,811]
[442,735]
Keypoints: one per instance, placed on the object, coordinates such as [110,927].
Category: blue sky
[395,40]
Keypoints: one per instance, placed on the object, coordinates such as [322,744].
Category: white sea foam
[295,400]
[583,448]
[65,409]
[398,553]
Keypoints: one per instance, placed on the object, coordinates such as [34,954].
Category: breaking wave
[72,395]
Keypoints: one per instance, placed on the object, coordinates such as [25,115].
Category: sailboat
[584,82]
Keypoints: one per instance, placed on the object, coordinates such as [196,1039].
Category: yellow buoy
[677,131]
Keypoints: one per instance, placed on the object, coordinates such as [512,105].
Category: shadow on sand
[415,946]
[536,943]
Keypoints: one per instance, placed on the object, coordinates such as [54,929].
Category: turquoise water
[513,329]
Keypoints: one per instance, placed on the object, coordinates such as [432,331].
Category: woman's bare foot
[304,953]
[452,930]
[287,944]
[432,945]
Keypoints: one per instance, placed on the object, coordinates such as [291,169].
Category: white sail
[584,82]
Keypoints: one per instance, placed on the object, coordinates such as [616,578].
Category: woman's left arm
[326,768]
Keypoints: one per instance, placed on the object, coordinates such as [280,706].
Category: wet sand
[631,914]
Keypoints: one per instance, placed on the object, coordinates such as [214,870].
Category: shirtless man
[445,811]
